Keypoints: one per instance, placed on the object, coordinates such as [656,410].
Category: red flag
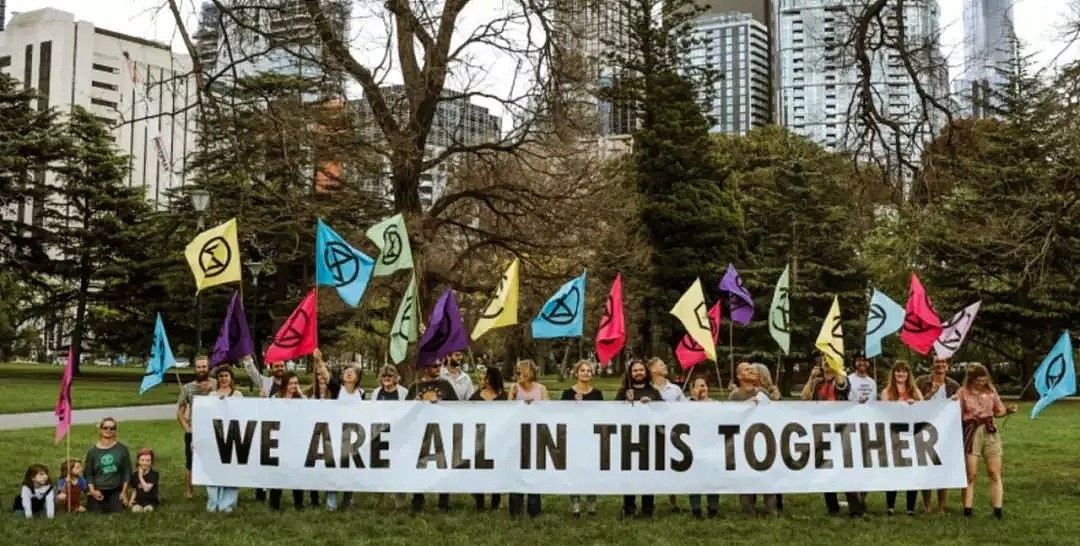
[63,402]
[921,324]
[299,335]
[611,336]
[688,351]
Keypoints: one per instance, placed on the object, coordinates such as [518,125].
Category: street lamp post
[255,267]
[200,201]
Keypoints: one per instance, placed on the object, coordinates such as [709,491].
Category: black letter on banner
[457,460]
[660,437]
[480,453]
[526,446]
[546,446]
[924,444]
[786,447]
[431,448]
[268,443]
[821,445]
[680,445]
[770,446]
[873,444]
[845,430]
[352,437]
[629,446]
[233,441]
[728,432]
[899,444]
[378,445]
[320,438]
[604,431]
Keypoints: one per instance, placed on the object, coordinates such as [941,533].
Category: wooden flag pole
[731,350]
[67,463]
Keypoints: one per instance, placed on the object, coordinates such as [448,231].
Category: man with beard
[431,388]
[202,384]
[268,386]
[937,385]
[637,386]
[462,383]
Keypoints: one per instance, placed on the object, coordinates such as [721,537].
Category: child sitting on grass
[144,483]
[71,487]
[36,497]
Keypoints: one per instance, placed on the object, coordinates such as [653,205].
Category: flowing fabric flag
[830,340]
[393,242]
[234,342]
[689,352]
[779,311]
[886,317]
[955,331]
[692,312]
[214,256]
[63,401]
[299,335]
[611,335]
[921,323]
[445,333]
[1055,378]
[339,264]
[161,358]
[406,324]
[742,305]
[564,314]
[503,308]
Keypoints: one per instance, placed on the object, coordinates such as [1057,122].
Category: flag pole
[731,351]
[67,479]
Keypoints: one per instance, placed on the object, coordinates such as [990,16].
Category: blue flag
[564,314]
[885,319]
[1055,378]
[340,265]
[161,358]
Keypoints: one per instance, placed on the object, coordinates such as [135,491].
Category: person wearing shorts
[979,406]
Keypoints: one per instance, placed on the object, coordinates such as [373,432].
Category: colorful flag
[161,358]
[779,312]
[742,305]
[445,333]
[393,242]
[1055,378]
[955,331]
[611,335]
[299,335]
[340,265]
[692,312]
[886,317]
[406,323]
[214,256]
[830,340]
[503,308]
[234,342]
[63,401]
[921,324]
[564,314]
[689,352]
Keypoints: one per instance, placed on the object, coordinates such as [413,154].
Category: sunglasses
[108,428]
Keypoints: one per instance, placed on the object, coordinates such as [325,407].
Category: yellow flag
[214,256]
[830,341]
[694,315]
[502,310]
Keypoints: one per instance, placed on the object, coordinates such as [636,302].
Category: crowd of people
[110,482]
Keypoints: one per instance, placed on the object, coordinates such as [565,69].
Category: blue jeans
[331,500]
[221,499]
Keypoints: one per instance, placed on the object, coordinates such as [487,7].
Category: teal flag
[564,314]
[393,242]
[340,265]
[1055,378]
[406,323]
[779,311]
[886,317]
[161,358]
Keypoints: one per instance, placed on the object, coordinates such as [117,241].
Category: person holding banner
[826,385]
[748,389]
[390,390]
[290,390]
[491,389]
[529,390]
[348,393]
[200,386]
[223,499]
[699,392]
[268,386]
[637,387]
[901,388]
[764,379]
[431,388]
[932,386]
[460,380]
[979,405]
[582,391]
[669,392]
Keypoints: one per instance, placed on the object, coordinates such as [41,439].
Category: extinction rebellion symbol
[293,333]
[343,264]
[214,257]
[564,310]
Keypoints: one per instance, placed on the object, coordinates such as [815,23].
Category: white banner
[578,447]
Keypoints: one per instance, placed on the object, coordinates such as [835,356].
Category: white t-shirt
[344,396]
[862,387]
[671,392]
[462,383]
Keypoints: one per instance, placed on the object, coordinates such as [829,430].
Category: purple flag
[445,332]
[742,305]
[234,342]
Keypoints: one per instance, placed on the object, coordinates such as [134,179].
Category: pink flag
[299,335]
[63,402]
[611,336]
[921,323]
[688,351]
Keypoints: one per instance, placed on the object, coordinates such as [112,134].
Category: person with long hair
[637,386]
[901,387]
[979,405]
[391,389]
[36,496]
[826,384]
[108,467]
[223,499]
[937,384]
[348,392]
[699,392]
[290,390]
[765,382]
[491,389]
[580,391]
[528,389]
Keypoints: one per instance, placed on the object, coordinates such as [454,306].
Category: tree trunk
[80,312]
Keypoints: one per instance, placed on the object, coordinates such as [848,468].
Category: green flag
[779,319]
[393,242]
[406,323]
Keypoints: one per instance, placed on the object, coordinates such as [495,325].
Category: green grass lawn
[1041,476]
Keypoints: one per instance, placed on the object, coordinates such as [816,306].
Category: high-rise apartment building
[990,52]
[736,46]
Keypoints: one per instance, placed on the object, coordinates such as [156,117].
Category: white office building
[990,51]
[736,46]
[140,88]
